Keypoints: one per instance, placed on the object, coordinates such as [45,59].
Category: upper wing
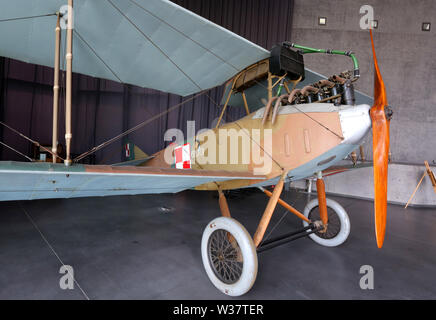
[39,180]
[149,43]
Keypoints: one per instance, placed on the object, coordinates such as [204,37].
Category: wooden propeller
[380,116]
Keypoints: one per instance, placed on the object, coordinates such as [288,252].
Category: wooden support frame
[270,93]
[69,84]
[430,175]
[224,207]
[322,200]
[258,75]
[416,189]
[245,103]
[294,84]
[226,104]
[432,180]
[269,210]
[225,212]
[285,84]
[287,206]
[267,215]
[57,59]
[362,153]
[279,79]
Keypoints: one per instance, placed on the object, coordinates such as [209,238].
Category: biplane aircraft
[301,122]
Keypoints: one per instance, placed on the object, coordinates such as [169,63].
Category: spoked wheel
[338,227]
[225,256]
[229,256]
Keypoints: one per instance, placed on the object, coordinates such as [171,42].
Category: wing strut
[69,59]
[57,62]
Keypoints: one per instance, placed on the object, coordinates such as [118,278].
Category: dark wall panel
[103,109]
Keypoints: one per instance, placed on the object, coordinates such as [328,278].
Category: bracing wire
[138,126]
[29,139]
[28,17]
[102,145]
[15,150]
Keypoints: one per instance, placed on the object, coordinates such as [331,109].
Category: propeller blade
[380,140]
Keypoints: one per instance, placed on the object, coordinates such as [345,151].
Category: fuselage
[305,139]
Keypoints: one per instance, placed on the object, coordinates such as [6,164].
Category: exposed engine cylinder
[339,89]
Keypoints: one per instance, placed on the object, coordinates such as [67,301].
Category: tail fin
[133,152]
[134,156]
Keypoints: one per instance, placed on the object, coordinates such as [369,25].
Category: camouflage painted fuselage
[305,139]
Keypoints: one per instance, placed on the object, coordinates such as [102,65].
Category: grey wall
[406,57]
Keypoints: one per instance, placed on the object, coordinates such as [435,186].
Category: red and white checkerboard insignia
[183,156]
[127,147]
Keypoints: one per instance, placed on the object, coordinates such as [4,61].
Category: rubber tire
[344,232]
[248,250]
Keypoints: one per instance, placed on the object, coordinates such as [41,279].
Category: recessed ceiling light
[426,26]
[322,21]
[374,24]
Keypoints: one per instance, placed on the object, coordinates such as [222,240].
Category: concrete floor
[128,248]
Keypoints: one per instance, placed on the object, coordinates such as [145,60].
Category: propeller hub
[388,112]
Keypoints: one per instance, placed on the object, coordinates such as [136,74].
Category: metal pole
[68,92]
[54,148]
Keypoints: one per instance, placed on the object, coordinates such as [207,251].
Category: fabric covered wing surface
[150,43]
[27,181]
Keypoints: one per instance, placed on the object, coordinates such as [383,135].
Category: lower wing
[27,181]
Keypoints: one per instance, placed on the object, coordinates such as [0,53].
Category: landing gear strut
[230,254]
[338,227]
